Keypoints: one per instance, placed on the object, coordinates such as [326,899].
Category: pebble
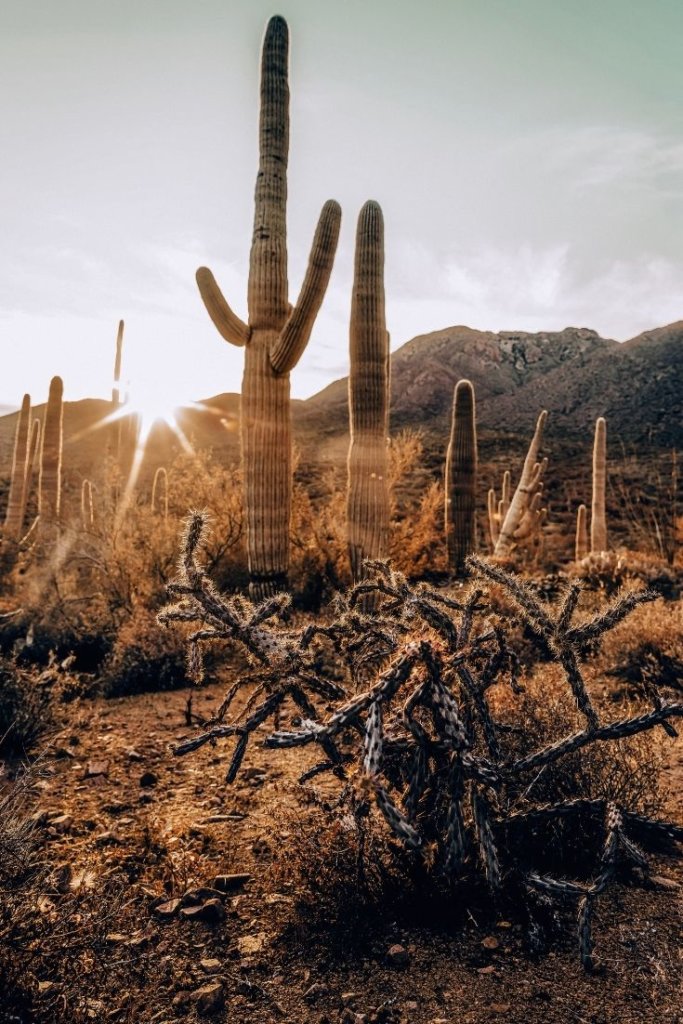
[209,999]
[230,883]
[148,779]
[211,912]
[398,955]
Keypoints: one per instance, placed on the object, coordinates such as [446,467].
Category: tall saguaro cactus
[276,334]
[32,463]
[20,457]
[115,393]
[581,542]
[461,478]
[50,485]
[598,515]
[368,488]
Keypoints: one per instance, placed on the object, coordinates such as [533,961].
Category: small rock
[148,779]
[181,999]
[248,944]
[45,987]
[397,955]
[62,823]
[490,942]
[133,755]
[115,937]
[210,998]
[167,909]
[349,998]
[193,896]
[662,882]
[230,883]
[96,768]
[211,965]
[486,970]
[500,1007]
[211,912]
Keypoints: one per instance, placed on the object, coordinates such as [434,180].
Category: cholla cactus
[461,478]
[525,515]
[598,515]
[367,505]
[20,460]
[276,334]
[421,742]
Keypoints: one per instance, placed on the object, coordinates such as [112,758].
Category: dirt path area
[123,816]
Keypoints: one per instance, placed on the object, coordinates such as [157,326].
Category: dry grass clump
[25,707]
[142,659]
[648,652]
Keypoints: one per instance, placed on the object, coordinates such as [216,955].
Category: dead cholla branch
[422,741]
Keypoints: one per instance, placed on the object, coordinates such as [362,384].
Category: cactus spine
[276,334]
[581,547]
[160,475]
[598,517]
[368,489]
[461,478]
[20,457]
[524,514]
[50,484]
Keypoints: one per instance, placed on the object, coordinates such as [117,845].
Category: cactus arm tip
[292,340]
[227,323]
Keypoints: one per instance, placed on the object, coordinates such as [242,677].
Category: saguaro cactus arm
[227,323]
[289,346]
[581,544]
[523,496]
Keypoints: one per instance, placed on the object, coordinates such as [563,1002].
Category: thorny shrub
[414,737]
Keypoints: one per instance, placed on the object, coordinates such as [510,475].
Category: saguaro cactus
[598,517]
[50,485]
[461,478]
[13,516]
[367,505]
[32,463]
[524,513]
[581,547]
[276,334]
[115,394]
[87,510]
[160,491]
[497,510]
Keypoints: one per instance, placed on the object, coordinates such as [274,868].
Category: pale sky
[528,156]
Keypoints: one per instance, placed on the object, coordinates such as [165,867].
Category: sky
[527,155]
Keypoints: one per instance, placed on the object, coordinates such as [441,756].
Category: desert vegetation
[368,727]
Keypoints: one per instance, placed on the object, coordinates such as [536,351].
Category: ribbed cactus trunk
[524,514]
[20,458]
[368,487]
[160,491]
[598,514]
[87,509]
[461,478]
[276,334]
[115,393]
[581,545]
[50,486]
[32,465]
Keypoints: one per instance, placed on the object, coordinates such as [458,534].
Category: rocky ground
[159,904]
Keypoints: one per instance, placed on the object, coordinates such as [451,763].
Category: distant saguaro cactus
[461,478]
[32,464]
[497,510]
[581,547]
[159,499]
[50,486]
[598,516]
[367,506]
[87,510]
[115,394]
[20,457]
[524,514]
[276,334]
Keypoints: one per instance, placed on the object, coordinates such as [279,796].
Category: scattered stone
[133,755]
[210,998]
[114,937]
[500,1007]
[490,942]
[230,883]
[503,924]
[397,955]
[486,970]
[211,912]
[45,987]
[62,823]
[349,998]
[216,818]
[107,839]
[96,768]
[181,1000]
[167,909]
[662,882]
[148,779]
[248,944]
[211,965]
[203,892]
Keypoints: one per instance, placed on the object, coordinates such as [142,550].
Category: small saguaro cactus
[598,516]
[87,510]
[276,334]
[461,478]
[524,514]
[367,508]
[50,485]
[32,464]
[160,491]
[20,457]
[497,510]
[581,547]
[115,394]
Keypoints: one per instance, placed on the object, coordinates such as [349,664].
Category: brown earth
[145,827]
